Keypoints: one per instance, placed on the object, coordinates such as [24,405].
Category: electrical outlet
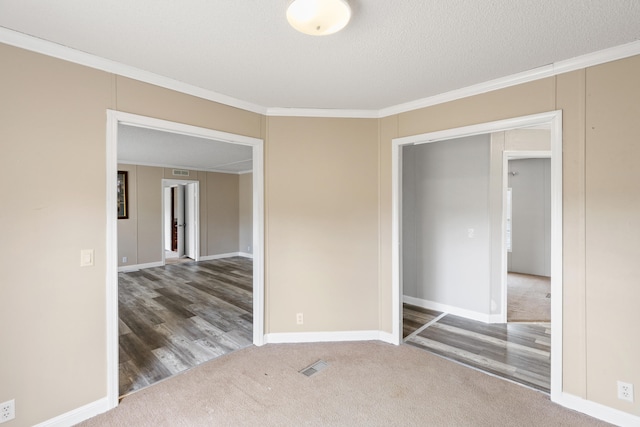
[299,319]
[471,233]
[625,391]
[7,410]
[124,259]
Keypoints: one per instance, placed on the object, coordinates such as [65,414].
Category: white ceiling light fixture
[318,17]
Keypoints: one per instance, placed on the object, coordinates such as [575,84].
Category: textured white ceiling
[141,146]
[392,52]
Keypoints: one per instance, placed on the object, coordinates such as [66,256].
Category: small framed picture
[123,208]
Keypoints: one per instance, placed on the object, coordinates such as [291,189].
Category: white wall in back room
[446,241]
[530,183]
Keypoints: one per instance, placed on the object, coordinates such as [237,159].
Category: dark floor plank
[144,361]
[415,317]
[175,306]
[225,293]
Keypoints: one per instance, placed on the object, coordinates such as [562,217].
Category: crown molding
[55,50]
[560,67]
[321,112]
[596,58]
[45,47]
[465,92]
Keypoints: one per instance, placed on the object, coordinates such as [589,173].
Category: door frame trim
[552,118]
[117,117]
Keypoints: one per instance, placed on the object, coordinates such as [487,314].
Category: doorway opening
[181,221]
[493,309]
[528,236]
[119,120]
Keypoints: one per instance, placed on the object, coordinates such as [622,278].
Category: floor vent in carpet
[314,368]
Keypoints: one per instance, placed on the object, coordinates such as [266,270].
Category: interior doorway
[495,309]
[117,120]
[528,237]
[181,220]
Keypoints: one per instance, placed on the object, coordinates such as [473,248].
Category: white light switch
[86,257]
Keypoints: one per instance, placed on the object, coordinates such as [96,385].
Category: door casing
[114,118]
[554,120]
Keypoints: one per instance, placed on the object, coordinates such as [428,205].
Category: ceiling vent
[180,172]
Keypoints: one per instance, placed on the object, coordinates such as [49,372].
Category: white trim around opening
[554,120]
[113,119]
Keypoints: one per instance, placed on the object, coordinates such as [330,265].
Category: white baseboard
[135,267]
[300,337]
[597,410]
[496,318]
[128,268]
[457,311]
[228,255]
[78,415]
[387,337]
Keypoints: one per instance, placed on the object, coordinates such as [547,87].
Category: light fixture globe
[318,17]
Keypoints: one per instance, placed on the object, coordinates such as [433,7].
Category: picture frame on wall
[123,208]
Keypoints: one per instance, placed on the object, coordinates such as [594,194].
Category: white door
[190,220]
[180,218]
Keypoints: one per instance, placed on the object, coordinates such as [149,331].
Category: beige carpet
[365,384]
[527,298]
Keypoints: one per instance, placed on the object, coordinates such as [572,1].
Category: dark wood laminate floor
[415,318]
[175,317]
[516,351]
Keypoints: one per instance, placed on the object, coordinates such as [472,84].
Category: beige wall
[52,136]
[140,236]
[53,114]
[321,209]
[245,207]
[136,97]
[149,204]
[387,130]
[328,207]
[571,96]
[612,230]
[223,216]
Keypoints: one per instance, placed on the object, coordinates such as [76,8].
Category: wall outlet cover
[7,410]
[625,391]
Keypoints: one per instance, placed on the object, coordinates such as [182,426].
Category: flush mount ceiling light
[318,17]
